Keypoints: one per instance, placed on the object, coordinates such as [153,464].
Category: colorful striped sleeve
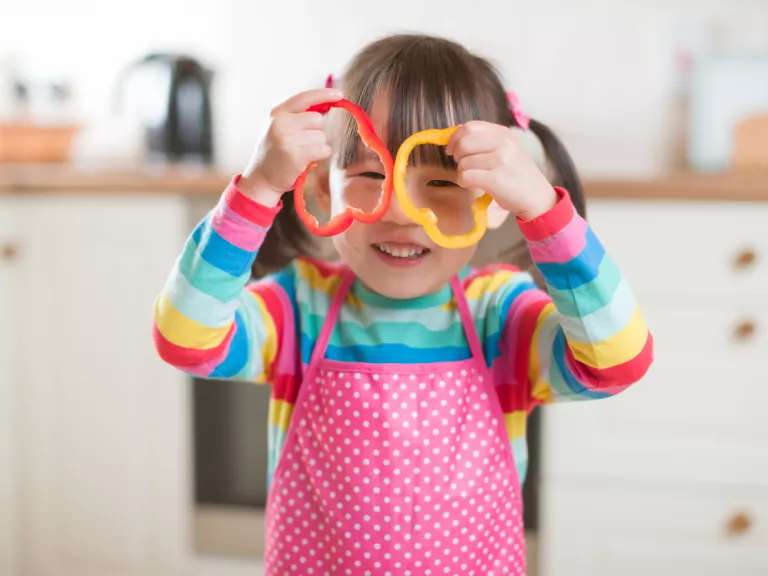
[208,321]
[585,337]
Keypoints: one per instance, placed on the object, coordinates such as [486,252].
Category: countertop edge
[734,186]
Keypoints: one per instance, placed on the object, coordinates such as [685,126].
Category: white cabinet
[671,477]
[101,432]
[9,458]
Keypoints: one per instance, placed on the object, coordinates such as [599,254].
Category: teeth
[400,251]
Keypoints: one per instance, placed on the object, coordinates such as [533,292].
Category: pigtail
[286,240]
[566,175]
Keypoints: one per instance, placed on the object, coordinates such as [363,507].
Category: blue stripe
[208,278]
[237,355]
[511,296]
[559,352]
[492,342]
[286,279]
[386,353]
[576,272]
[219,252]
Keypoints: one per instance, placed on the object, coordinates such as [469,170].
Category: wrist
[256,188]
[543,202]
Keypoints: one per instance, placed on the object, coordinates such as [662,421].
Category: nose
[395,214]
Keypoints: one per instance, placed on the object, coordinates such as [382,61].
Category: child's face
[394,256]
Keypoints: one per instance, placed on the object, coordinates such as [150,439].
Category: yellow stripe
[183,331]
[269,348]
[315,280]
[516,423]
[540,388]
[354,301]
[619,348]
[280,414]
[485,284]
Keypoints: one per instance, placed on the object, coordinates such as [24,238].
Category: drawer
[698,415]
[607,530]
[686,247]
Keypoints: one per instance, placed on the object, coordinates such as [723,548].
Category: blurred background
[121,124]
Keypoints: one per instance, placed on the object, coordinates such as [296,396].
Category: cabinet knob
[744,259]
[745,330]
[738,524]
[9,252]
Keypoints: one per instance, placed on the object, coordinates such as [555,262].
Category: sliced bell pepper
[341,222]
[425,216]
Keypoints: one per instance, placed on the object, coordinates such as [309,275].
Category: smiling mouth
[402,251]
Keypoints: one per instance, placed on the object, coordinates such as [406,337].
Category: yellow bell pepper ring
[425,216]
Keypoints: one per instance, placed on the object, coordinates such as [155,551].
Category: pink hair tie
[329,81]
[521,118]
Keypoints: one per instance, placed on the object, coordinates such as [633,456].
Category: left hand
[490,158]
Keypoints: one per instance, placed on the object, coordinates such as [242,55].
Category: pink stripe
[236,230]
[511,332]
[286,363]
[206,368]
[563,246]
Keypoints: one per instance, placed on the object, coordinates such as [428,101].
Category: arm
[584,338]
[207,320]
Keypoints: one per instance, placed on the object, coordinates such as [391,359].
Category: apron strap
[329,323]
[466,320]
[333,314]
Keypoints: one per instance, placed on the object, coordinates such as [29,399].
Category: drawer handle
[9,252]
[744,259]
[745,330]
[738,524]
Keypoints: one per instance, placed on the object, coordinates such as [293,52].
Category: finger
[303,100]
[300,121]
[483,161]
[305,139]
[315,153]
[480,179]
[472,144]
[471,127]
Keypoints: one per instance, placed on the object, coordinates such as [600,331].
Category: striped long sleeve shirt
[583,338]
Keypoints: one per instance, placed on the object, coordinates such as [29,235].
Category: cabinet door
[622,529]
[9,438]
[104,420]
[699,414]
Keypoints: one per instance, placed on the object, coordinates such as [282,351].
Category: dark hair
[430,82]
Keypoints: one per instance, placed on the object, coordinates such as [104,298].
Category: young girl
[401,377]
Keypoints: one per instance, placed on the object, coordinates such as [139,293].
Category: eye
[441,183]
[372,175]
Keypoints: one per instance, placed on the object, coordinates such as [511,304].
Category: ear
[322,187]
[496,216]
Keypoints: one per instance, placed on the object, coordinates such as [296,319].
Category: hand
[490,158]
[295,139]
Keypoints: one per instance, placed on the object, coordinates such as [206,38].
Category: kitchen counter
[56,179]
[738,186]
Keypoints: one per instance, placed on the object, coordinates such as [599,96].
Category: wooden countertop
[56,179]
[17,179]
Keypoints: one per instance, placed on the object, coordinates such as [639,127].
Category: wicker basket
[28,143]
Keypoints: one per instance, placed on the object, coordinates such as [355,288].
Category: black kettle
[172,95]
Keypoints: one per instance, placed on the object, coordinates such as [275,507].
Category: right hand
[295,139]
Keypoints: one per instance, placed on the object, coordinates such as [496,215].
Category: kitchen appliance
[169,95]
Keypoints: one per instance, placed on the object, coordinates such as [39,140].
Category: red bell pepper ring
[341,222]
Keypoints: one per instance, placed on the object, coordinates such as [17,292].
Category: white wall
[598,70]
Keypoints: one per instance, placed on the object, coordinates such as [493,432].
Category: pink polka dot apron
[396,469]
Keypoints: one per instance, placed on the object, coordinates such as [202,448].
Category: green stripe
[589,297]
[207,278]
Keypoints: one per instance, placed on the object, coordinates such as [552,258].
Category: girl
[402,377]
